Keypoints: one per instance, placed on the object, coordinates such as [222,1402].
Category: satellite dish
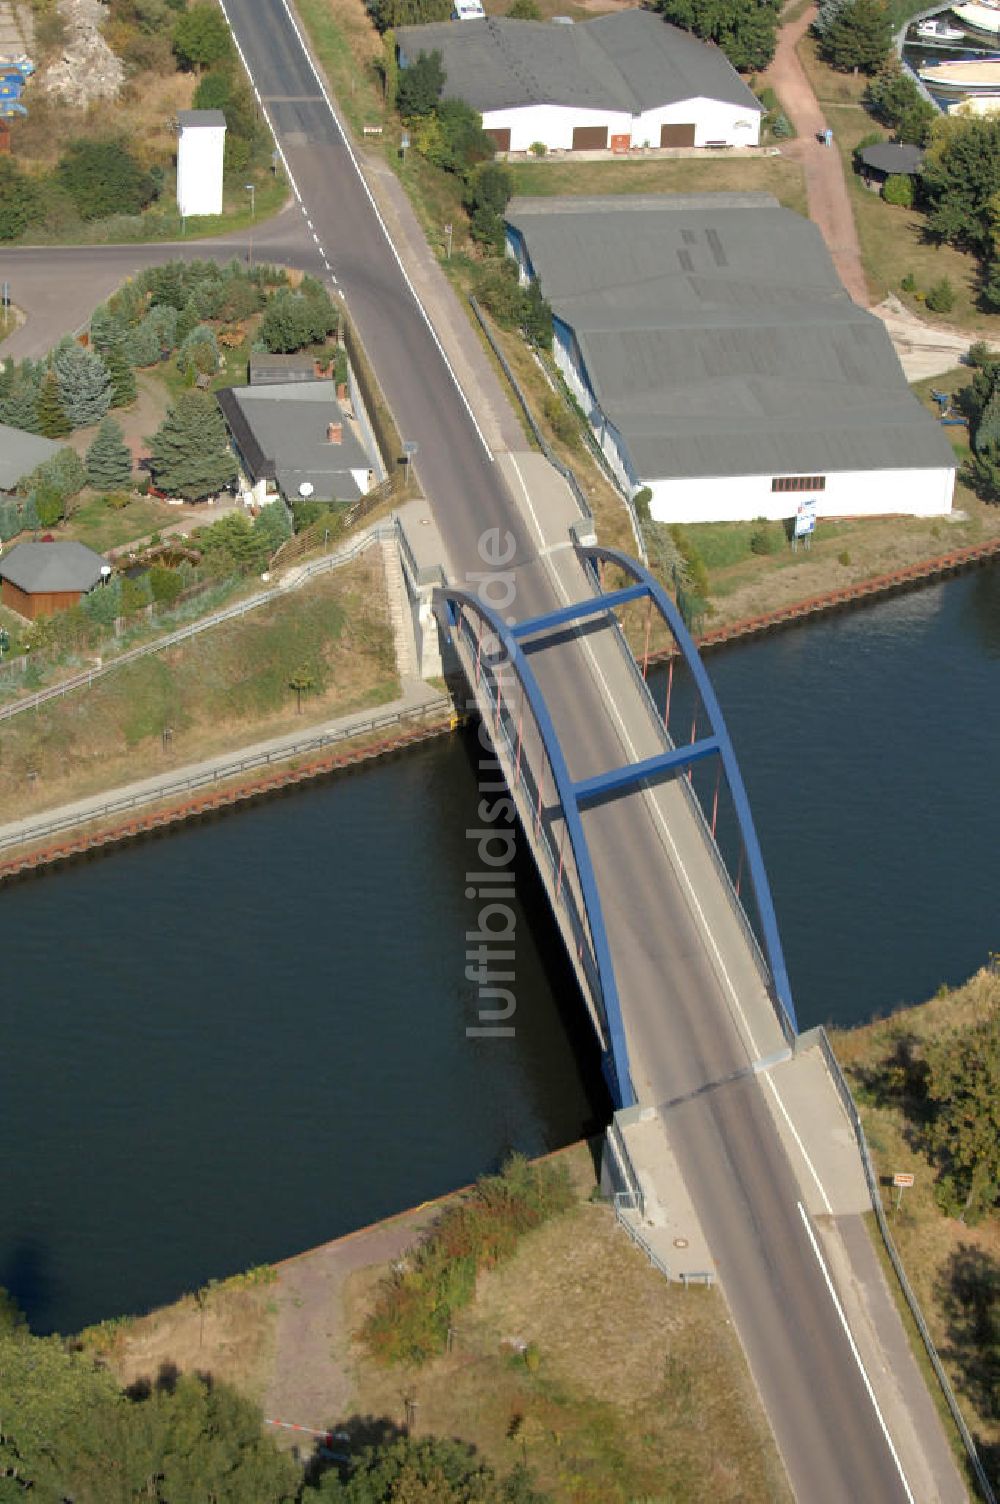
[105,570]
[307,488]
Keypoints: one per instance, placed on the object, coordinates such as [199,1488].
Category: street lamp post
[251,189]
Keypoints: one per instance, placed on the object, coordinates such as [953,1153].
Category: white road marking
[857,1356]
[375,209]
[658,814]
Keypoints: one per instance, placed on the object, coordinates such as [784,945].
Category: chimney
[335,433]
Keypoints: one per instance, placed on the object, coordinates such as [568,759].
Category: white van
[468,10]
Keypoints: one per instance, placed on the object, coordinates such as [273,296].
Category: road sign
[902,1180]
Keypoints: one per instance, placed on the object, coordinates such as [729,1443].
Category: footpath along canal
[237,1042]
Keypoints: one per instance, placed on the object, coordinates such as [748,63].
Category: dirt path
[829,202]
[311,1383]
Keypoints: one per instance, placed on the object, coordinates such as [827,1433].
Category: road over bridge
[696,1013]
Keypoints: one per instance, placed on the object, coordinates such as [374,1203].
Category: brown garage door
[590,138]
[676,135]
[501,137]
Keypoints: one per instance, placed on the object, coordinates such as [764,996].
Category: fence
[875,1191]
[342,556]
[189,783]
[545,446]
[387,435]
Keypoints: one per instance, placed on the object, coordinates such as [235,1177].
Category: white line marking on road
[802,1148]
[375,209]
[661,820]
[857,1356]
[315,237]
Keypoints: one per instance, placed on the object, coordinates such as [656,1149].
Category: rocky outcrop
[88,69]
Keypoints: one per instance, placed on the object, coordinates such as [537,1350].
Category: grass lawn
[723,174]
[99,526]
[954,1269]
[641,1391]
[892,239]
[225,688]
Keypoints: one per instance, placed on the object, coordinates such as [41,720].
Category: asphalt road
[59,286]
[677,1017]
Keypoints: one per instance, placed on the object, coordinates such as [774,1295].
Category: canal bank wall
[394,731]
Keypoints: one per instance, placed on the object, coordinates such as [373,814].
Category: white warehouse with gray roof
[621,81]
[721,362]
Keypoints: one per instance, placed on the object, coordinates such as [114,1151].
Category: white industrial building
[618,82]
[201,145]
[722,364]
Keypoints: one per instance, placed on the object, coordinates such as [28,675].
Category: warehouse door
[676,135]
[590,138]
[501,137]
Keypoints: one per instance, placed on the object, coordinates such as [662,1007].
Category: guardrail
[875,1191]
[546,857]
[336,560]
[540,439]
[621,1198]
[189,783]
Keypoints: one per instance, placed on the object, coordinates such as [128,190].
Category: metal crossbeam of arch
[720,742]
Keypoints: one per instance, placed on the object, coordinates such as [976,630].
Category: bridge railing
[722,867]
[523,778]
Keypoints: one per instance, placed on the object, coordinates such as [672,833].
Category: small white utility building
[201,146]
[616,83]
[722,364]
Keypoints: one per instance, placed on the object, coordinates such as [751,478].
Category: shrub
[844,557]
[102,178]
[941,297]
[165,584]
[414,1307]
[781,127]
[562,420]
[898,189]
[908,283]
[538,148]
[694,564]
[766,538]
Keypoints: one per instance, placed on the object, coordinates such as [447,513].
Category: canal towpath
[418,701]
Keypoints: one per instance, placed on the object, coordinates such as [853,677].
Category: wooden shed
[39,579]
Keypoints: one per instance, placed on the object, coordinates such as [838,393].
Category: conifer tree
[52,420]
[190,453]
[109,460]
[84,384]
[123,387]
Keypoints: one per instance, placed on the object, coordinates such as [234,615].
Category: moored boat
[971,76]
[936,30]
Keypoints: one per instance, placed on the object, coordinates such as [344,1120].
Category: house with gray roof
[618,82]
[295,439]
[721,362]
[20,454]
[39,579]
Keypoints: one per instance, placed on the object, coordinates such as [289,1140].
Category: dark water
[229,1045]
[870,746]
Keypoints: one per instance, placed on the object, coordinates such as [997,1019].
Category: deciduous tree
[746,30]
[963,1090]
[960,178]
[201,36]
[420,85]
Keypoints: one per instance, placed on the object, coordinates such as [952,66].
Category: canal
[226,1046]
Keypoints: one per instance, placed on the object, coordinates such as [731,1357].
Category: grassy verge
[214,694]
[954,1269]
[101,526]
[576,1357]
[893,240]
[723,174]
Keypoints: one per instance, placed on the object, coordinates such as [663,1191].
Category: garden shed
[39,579]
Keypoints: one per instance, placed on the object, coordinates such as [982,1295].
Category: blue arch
[596,553]
[616,1062]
